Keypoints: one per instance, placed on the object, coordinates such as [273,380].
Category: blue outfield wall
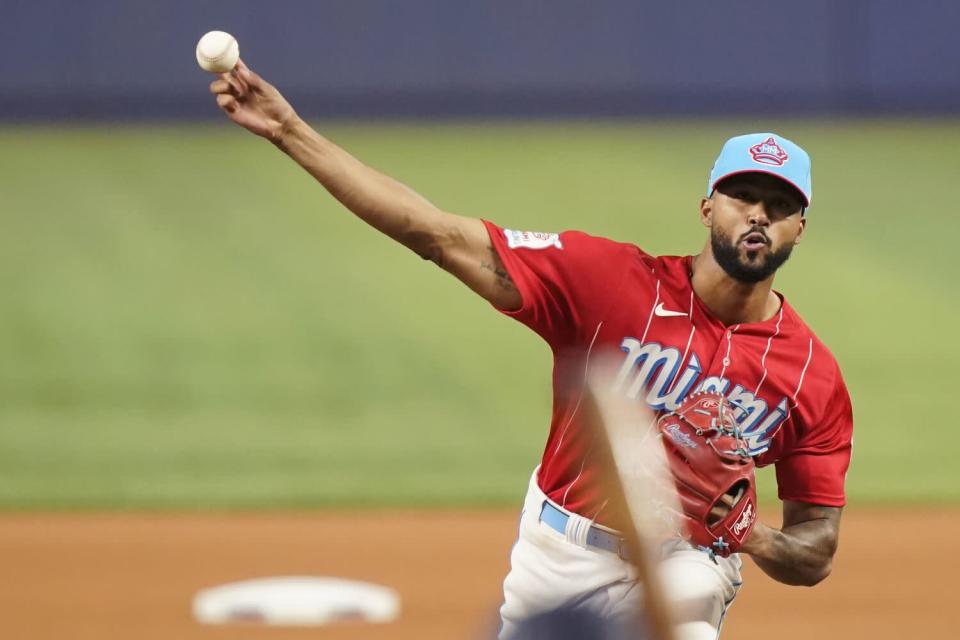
[133,59]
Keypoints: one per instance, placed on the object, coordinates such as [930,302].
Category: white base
[296,601]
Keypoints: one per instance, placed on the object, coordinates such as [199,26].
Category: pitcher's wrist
[288,131]
[757,540]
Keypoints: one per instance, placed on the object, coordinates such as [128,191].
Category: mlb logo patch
[769,152]
[532,239]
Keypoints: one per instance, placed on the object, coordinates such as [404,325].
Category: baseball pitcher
[736,377]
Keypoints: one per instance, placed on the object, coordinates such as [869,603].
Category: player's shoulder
[587,241]
[576,249]
[573,243]
[613,256]
[821,357]
[516,238]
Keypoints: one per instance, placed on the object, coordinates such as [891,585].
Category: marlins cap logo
[769,152]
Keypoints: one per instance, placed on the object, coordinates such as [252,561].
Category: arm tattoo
[503,279]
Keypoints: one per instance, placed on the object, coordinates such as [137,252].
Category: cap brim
[806,200]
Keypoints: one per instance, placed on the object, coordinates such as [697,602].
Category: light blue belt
[596,537]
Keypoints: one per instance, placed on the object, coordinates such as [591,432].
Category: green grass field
[189,321]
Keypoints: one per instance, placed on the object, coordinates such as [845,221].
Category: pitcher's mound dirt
[113,577]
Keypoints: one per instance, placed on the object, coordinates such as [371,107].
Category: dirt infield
[109,577]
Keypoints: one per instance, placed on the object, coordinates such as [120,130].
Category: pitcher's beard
[727,255]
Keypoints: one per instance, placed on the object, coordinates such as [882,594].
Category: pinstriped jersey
[585,294]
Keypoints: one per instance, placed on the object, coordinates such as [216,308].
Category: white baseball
[217,52]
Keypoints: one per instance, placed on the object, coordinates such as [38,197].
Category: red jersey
[585,294]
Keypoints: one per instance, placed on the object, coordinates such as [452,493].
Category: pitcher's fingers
[252,80]
[237,80]
[237,87]
[226,102]
[219,86]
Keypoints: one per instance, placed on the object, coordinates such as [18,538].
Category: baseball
[217,52]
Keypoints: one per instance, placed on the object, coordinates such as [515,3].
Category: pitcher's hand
[252,102]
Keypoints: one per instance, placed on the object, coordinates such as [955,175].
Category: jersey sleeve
[816,469]
[566,280]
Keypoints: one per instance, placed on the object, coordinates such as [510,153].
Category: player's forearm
[800,554]
[379,200]
[458,244]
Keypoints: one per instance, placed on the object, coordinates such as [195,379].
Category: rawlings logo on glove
[713,472]
[746,520]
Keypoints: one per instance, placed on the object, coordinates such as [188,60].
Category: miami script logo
[653,373]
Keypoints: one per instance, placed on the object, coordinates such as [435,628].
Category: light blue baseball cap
[764,153]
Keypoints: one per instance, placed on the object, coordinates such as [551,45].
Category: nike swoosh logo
[666,313]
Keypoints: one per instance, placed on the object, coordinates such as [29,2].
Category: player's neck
[732,301]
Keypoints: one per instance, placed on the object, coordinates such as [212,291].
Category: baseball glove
[713,472]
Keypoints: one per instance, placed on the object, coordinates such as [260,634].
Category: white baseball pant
[549,569]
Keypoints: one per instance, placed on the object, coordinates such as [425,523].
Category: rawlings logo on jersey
[769,152]
[532,239]
[651,372]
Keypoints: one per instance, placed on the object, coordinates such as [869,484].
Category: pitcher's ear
[803,228]
[706,211]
